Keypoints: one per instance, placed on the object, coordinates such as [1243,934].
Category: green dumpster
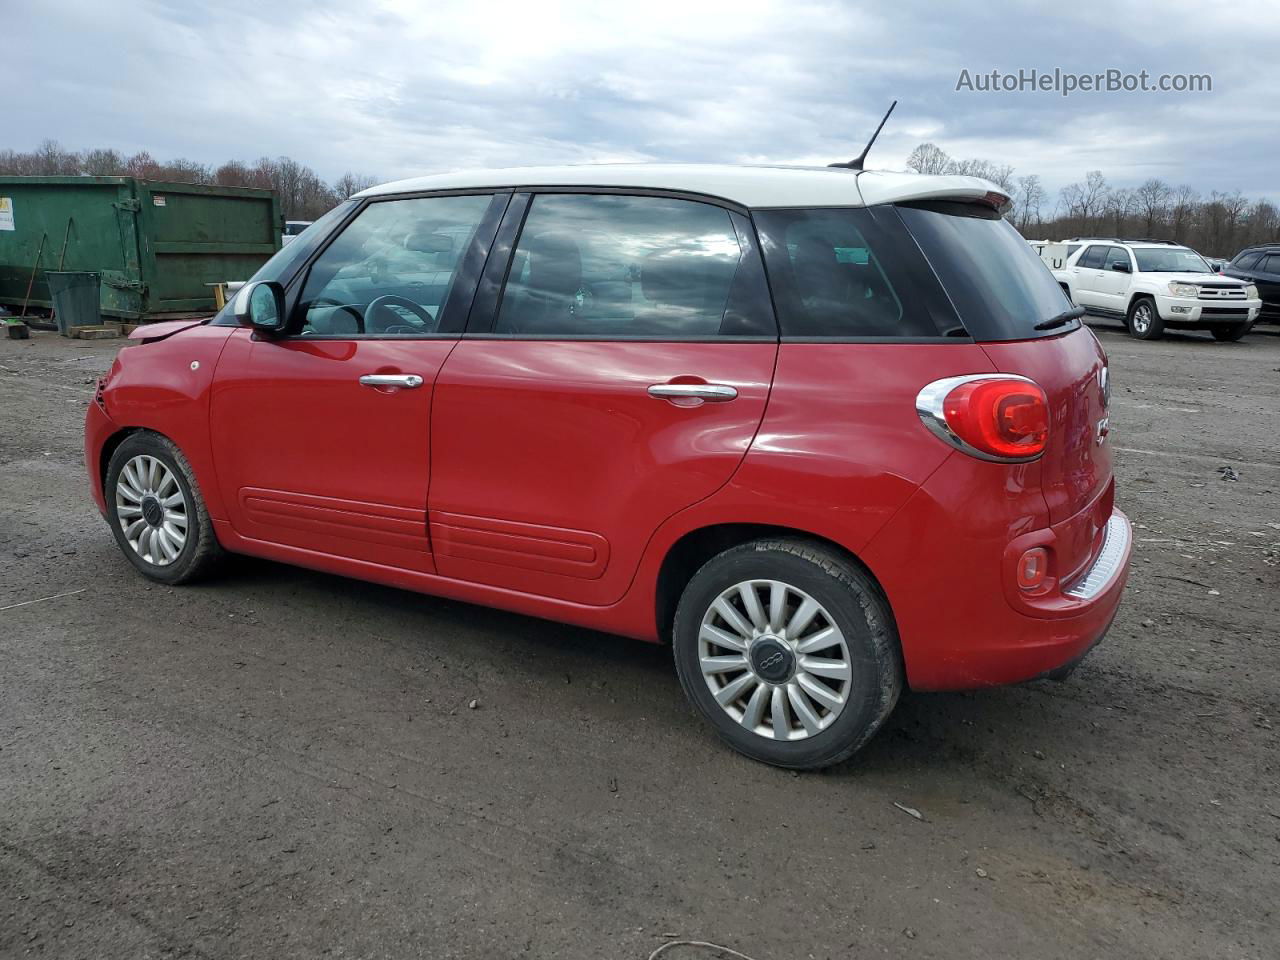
[156,246]
[75,299]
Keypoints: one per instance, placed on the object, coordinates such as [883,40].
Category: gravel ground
[281,763]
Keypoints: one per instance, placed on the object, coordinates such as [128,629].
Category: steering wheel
[391,299]
[323,301]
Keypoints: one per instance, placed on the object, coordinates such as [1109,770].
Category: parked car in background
[830,433]
[1260,266]
[293,228]
[1216,264]
[1154,284]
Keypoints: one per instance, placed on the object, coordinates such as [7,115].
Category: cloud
[398,87]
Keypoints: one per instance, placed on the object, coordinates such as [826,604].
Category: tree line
[303,194]
[1217,225]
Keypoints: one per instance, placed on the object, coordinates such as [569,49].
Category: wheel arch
[695,547]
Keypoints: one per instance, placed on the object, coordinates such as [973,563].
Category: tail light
[999,417]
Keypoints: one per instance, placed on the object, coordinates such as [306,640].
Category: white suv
[1154,284]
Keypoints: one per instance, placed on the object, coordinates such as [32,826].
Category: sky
[397,88]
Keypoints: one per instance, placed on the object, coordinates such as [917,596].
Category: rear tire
[802,675]
[156,511]
[1231,333]
[1144,321]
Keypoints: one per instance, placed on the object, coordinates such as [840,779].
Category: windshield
[1000,288]
[1170,260]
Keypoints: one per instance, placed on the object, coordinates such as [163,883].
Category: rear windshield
[999,287]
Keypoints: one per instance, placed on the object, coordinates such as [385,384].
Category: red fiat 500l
[829,432]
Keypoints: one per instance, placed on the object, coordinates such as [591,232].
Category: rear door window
[608,266]
[1245,261]
[1271,264]
[1000,288]
[1092,258]
[840,274]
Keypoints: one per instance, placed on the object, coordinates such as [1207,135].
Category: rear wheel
[1144,320]
[156,511]
[789,650]
[1233,332]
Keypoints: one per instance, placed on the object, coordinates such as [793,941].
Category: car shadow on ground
[926,733]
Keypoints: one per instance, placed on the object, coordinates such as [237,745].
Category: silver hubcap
[151,510]
[1142,318]
[774,660]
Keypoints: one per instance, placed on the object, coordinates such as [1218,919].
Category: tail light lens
[989,416]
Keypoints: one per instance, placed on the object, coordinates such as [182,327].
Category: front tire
[1144,320]
[156,511]
[790,651]
[1230,333]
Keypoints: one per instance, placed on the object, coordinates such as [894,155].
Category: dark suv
[1260,265]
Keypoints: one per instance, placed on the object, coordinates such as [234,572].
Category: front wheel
[789,650]
[1144,320]
[156,511]
[1230,333]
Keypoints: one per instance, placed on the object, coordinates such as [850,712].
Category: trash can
[75,299]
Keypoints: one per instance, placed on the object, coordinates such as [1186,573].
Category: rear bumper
[945,567]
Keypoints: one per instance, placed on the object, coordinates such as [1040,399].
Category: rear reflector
[989,416]
[1033,567]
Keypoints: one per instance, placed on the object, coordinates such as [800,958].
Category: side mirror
[1120,267]
[261,306]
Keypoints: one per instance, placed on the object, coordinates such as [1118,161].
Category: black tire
[1231,333]
[1149,326]
[850,599]
[200,552]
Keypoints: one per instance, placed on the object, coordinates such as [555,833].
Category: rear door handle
[711,392]
[408,380]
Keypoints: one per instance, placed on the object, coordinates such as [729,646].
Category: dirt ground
[281,763]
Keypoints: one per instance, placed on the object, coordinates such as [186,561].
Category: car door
[1114,279]
[1088,272]
[617,377]
[1266,276]
[321,437]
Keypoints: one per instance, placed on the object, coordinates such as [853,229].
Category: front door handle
[711,392]
[408,380]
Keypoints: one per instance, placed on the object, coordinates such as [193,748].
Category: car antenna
[856,164]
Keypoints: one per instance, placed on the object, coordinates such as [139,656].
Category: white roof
[749,186]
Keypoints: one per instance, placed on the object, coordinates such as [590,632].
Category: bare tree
[1184,211]
[1152,197]
[928,158]
[1030,198]
[1119,204]
[350,184]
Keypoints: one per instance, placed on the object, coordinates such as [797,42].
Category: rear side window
[1092,257]
[840,274]
[1271,264]
[609,266]
[999,287]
